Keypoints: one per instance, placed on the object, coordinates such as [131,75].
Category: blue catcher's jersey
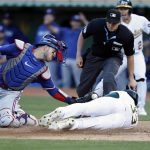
[22,68]
[18,72]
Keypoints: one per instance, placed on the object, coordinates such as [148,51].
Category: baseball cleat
[63,124]
[26,119]
[47,119]
[142,111]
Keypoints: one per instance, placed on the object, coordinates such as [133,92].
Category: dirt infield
[140,133]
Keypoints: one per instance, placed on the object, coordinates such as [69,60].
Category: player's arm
[85,33]
[48,85]
[146,25]
[83,18]
[129,52]
[130,64]
[80,43]
[12,49]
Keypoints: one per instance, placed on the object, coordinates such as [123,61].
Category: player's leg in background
[110,70]
[76,72]
[54,66]
[140,71]
[90,71]
[66,74]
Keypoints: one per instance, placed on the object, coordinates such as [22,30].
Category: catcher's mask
[51,41]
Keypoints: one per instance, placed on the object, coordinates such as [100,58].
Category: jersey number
[140,45]
[134,115]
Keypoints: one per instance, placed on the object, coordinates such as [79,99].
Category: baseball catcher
[25,64]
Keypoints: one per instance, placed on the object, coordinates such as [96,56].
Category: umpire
[109,37]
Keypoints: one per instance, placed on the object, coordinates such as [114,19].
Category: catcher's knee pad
[6,117]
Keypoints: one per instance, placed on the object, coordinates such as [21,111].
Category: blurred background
[28,14]
[28,20]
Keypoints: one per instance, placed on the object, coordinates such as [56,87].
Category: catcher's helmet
[124,4]
[51,41]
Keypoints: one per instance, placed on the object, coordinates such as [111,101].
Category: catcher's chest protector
[22,70]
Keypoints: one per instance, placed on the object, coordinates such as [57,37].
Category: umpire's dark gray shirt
[108,44]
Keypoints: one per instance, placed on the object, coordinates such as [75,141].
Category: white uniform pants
[8,104]
[9,99]
[101,113]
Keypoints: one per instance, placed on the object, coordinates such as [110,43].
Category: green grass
[146,118]
[71,145]
[38,105]
[147,107]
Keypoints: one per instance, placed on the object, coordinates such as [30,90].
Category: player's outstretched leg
[97,107]
[61,113]
[100,123]
[61,125]
[53,116]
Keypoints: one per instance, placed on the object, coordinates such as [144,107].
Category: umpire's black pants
[92,68]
